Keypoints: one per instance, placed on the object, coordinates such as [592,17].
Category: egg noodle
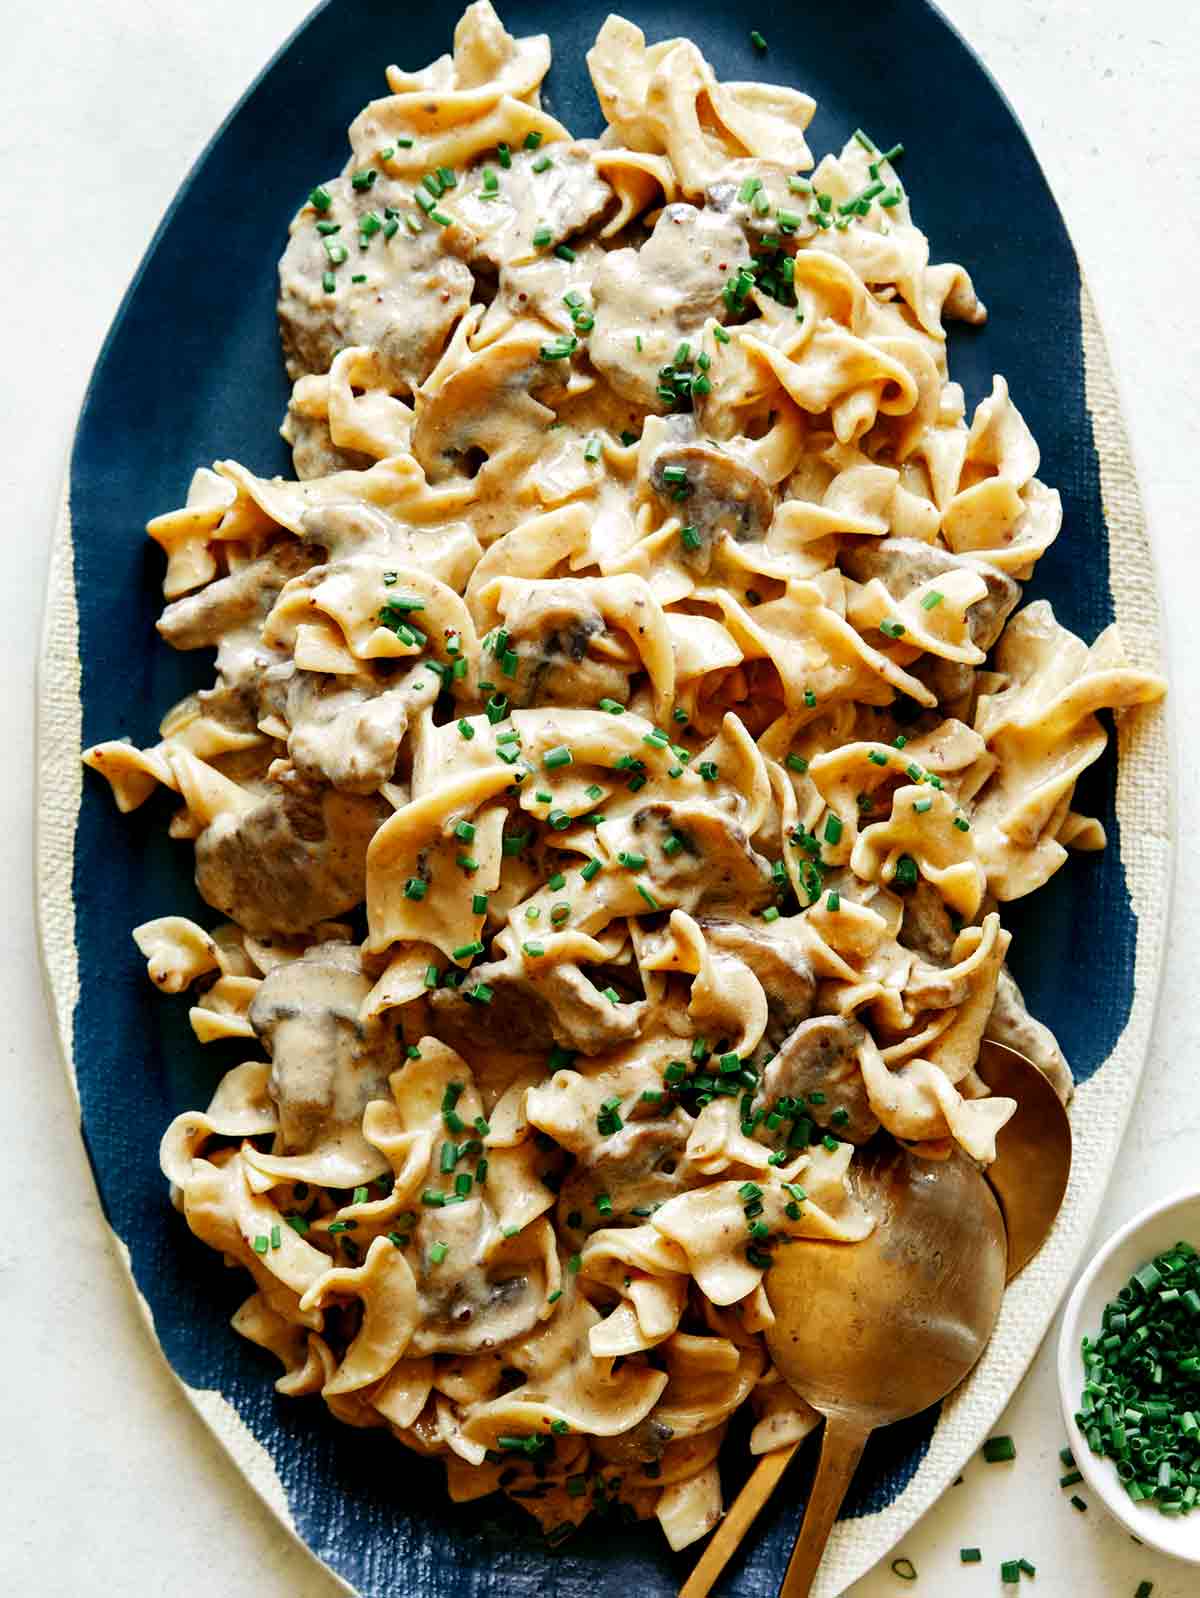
[637,644]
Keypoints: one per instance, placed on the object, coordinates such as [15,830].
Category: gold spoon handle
[725,1541]
[841,1450]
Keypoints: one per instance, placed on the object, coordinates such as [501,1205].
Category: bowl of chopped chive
[1129,1376]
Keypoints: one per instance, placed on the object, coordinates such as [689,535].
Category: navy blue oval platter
[191,372]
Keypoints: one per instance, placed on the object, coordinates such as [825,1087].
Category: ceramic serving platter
[191,372]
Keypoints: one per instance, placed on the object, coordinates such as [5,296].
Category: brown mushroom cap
[901,564]
[721,494]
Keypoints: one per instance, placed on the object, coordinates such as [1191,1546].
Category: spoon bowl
[874,1333]
[883,1329]
[1033,1151]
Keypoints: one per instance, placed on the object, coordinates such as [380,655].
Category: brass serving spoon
[1033,1151]
[1029,1176]
[875,1331]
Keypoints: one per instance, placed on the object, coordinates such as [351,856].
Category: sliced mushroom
[472,1305]
[781,967]
[716,493]
[202,619]
[296,858]
[326,1064]
[903,564]
[416,287]
[821,1056]
[551,631]
[647,300]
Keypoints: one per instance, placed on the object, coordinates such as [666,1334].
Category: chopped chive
[970,1556]
[757,40]
[532,140]
[999,1449]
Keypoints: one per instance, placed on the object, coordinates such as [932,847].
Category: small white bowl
[1148,1234]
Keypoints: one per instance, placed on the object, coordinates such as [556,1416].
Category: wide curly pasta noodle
[618,749]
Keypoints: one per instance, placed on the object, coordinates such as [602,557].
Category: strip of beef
[415,290]
[821,1056]
[296,858]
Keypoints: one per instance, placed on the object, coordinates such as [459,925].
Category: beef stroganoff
[636,661]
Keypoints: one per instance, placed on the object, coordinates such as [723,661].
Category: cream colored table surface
[109,1485]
